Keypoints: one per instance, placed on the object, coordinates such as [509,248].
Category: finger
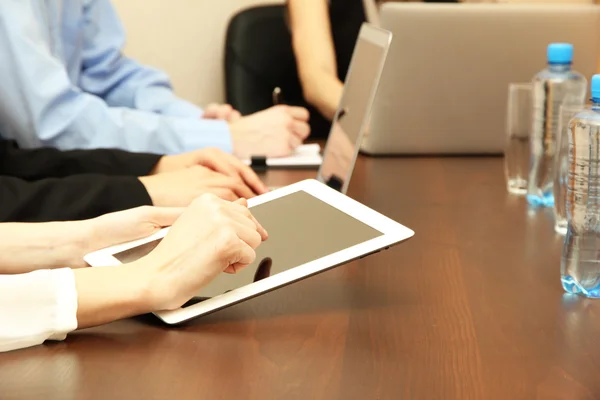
[294,142]
[299,113]
[224,110]
[222,166]
[252,180]
[210,111]
[235,115]
[233,214]
[244,256]
[247,175]
[301,129]
[245,212]
[223,193]
[239,187]
[242,202]
[246,231]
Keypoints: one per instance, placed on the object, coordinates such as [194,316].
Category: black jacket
[52,185]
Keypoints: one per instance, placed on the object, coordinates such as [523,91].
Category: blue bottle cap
[595,88]
[560,53]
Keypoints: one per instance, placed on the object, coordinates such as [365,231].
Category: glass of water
[518,129]
[561,158]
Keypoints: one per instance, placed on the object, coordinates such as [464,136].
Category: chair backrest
[259,58]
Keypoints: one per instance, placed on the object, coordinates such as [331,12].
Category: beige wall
[184,38]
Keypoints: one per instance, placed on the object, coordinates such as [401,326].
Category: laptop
[348,125]
[444,88]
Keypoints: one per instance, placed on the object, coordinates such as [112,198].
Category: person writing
[46,291]
[323,37]
[51,185]
[66,84]
[324,33]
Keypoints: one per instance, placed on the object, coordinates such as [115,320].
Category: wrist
[324,93]
[75,242]
[147,183]
[70,243]
[330,98]
[164,286]
[140,287]
[106,294]
[150,293]
[159,167]
[92,236]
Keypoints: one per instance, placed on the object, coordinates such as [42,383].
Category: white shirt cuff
[37,306]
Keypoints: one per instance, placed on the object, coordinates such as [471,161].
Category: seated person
[52,185]
[324,33]
[66,84]
[46,291]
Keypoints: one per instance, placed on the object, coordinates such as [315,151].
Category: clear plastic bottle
[552,87]
[580,266]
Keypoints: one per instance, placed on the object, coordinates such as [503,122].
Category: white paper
[304,155]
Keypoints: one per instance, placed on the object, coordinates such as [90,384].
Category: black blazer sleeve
[34,164]
[72,198]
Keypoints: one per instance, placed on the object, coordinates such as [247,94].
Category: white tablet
[312,228]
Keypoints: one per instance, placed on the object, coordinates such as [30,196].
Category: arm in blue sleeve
[119,80]
[40,107]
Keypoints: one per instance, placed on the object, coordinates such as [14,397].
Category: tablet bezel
[392,233]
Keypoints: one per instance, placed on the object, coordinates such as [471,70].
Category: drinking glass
[518,129]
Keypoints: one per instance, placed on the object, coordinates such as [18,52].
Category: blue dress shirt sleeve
[39,106]
[119,80]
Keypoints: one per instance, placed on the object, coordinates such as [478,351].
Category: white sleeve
[37,306]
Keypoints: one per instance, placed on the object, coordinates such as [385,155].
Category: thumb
[242,202]
[244,256]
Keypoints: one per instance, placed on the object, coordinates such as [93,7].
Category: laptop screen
[355,106]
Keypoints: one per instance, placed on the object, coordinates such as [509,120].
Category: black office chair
[258,58]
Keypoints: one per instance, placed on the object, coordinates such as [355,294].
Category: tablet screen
[301,229]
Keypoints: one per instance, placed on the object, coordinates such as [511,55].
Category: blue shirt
[65,83]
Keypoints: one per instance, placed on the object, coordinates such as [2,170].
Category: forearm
[315,54]
[36,164]
[324,93]
[29,247]
[51,111]
[66,199]
[120,80]
[48,304]
[106,294]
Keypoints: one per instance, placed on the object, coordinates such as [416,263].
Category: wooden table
[470,308]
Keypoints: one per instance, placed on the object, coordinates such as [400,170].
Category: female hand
[120,227]
[212,236]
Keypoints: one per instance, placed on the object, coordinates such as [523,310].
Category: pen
[277,96]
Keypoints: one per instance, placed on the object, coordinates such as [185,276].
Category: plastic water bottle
[552,87]
[580,266]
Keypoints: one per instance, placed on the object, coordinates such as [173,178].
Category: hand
[216,160]
[180,188]
[124,226]
[221,111]
[274,132]
[212,236]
